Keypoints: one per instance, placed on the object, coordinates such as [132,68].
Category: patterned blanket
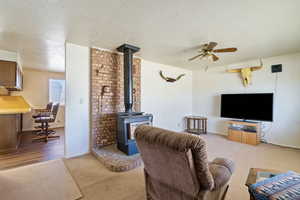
[280,187]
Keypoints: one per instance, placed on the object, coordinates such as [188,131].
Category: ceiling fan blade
[225,50]
[214,57]
[211,45]
[193,58]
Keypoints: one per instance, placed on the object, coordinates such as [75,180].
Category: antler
[233,70]
[161,74]
[257,67]
[179,77]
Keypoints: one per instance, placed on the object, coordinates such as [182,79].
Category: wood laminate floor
[32,152]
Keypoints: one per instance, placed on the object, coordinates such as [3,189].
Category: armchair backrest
[178,160]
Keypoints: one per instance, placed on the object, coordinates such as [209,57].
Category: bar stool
[45,122]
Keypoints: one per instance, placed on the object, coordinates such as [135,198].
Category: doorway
[43,90]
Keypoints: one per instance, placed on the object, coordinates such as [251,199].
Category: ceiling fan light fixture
[207,50]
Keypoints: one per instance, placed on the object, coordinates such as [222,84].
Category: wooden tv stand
[244,132]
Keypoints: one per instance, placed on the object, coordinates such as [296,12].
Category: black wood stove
[129,120]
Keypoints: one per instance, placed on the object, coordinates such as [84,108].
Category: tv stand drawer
[235,135]
[242,135]
[249,138]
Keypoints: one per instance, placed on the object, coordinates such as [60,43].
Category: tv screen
[257,106]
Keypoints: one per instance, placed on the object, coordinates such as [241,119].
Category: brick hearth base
[115,160]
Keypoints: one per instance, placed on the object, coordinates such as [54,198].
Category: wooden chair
[45,127]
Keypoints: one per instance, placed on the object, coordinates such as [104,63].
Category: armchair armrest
[229,164]
[221,170]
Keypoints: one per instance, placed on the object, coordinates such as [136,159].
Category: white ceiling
[168,31]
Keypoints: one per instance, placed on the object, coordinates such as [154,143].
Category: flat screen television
[258,106]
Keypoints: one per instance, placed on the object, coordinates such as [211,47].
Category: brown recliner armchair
[176,166]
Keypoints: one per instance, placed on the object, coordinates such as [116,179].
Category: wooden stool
[196,124]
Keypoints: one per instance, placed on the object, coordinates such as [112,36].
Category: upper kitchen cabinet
[11,75]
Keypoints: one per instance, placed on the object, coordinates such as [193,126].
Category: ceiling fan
[207,50]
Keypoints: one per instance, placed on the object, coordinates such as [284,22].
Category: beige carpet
[43,181]
[96,182]
[247,156]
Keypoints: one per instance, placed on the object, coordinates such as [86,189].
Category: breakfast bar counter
[13,105]
[11,110]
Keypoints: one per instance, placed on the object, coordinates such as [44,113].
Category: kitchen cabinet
[10,132]
[11,75]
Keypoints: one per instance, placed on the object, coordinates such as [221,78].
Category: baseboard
[283,145]
[276,144]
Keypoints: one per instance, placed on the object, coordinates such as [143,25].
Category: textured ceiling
[167,31]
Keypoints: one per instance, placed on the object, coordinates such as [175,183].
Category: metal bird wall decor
[169,79]
[246,73]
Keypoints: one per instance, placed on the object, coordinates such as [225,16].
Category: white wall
[285,130]
[168,102]
[36,93]
[77,127]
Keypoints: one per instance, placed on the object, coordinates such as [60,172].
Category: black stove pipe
[128,51]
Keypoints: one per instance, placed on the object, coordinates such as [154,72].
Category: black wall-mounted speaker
[276,68]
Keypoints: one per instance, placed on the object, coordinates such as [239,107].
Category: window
[57,91]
